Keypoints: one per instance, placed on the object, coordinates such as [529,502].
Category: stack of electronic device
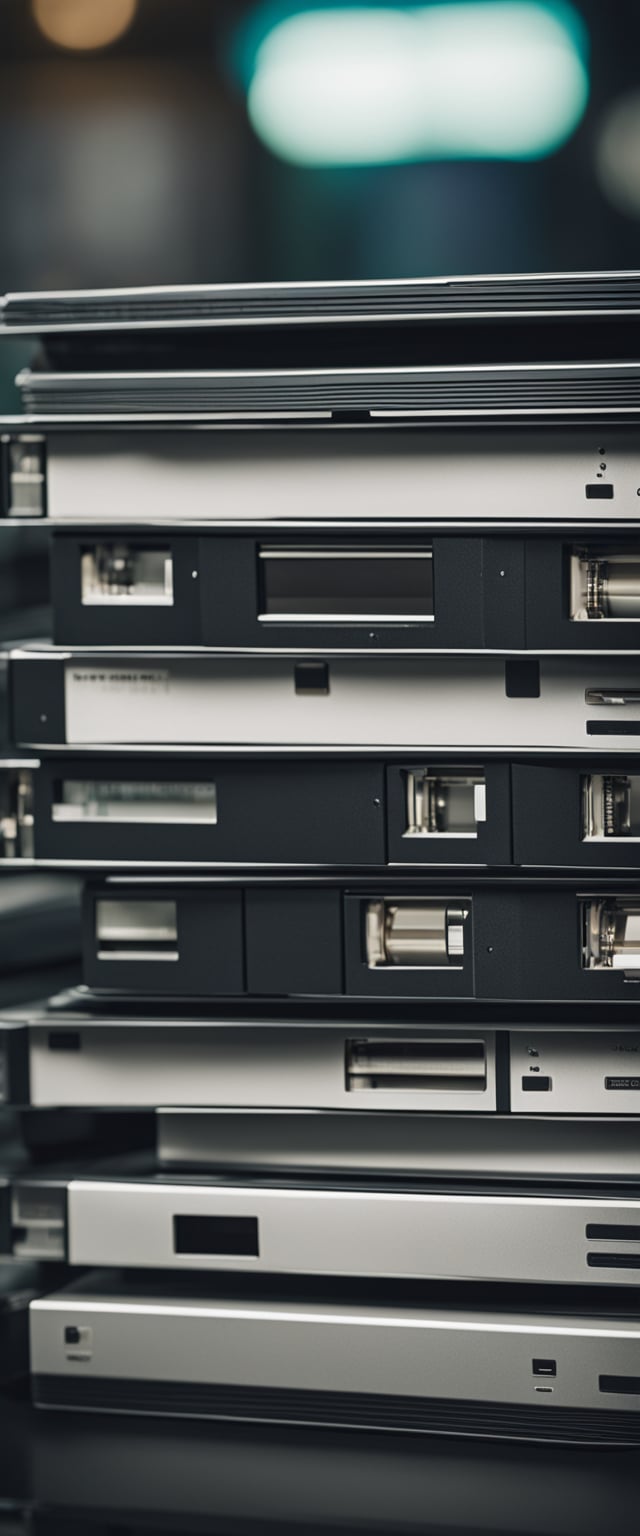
[341,718]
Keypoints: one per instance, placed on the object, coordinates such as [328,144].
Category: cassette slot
[325,585]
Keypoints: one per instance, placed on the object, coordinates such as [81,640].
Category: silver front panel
[353,1232]
[341,477]
[329,1066]
[594,1074]
[492,1146]
[237,1065]
[401,703]
[336,1348]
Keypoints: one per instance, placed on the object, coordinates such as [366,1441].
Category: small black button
[536,1084]
[311,677]
[522,679]
[598,492]
[72,1335]
[544,1367]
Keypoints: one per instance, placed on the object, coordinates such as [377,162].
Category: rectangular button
[536,1084]
[544,1367]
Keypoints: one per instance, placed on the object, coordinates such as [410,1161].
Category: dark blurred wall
[138,164]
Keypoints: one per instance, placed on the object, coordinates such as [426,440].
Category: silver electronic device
[283,474]
[482,391]
[540,1372]
[543,295]
[473,1229]
[395,1065]
[438,704]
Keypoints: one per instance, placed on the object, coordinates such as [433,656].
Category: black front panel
[37,699]
[430,813]
[449,812]
[125,589]
[311,591]
[577,813]
[303,591]
[583,593]
[163,810]
[366,591]
[387,941]
[421,964]
[294,942]
[196,948]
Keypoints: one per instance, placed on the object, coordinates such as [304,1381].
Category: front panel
[150,809]
[296,476]
[447,705]
[321,591]
[578,813]
[483,1234]
[338,1364]
[555,1153]
[354,1066]
[484,941]
[364,591]
[198,810]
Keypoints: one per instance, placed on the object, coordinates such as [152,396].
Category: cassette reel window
[611,807]
[612,935]
[415,935]
[445,802]
[126,574]
[375,584]
[605,584]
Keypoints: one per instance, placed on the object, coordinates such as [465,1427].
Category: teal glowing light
[375,85]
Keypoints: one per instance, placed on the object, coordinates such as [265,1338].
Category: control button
[536,1085]
[597,492]
[544,1367]
[311,677]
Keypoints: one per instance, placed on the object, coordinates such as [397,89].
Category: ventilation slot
[417,1066]
[613,1260]
[620,1232]
[439,1416]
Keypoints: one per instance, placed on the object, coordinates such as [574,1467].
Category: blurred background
[186,141]
[195,141]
